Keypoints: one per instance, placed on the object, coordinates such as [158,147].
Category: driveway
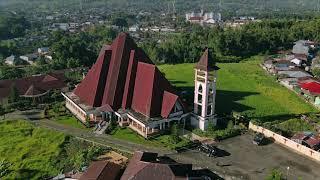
[243,160]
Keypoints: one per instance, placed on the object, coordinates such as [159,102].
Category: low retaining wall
[315,155]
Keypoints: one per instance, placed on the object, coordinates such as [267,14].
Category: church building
[124,84]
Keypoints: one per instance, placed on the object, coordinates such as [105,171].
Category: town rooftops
[144,165]
[207,63]
[102,170]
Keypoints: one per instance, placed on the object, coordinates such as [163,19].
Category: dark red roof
[144,165]
[312,87]
[102,170]
[196,18]
[207,63]
[34,85]
[124,77]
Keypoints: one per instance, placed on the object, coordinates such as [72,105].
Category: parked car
[208,149]
[259,139]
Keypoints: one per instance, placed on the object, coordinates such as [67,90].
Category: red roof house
[311,87]
[33,86]
[144,165]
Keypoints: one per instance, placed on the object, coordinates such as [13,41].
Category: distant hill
[181,6]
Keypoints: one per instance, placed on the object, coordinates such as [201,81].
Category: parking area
[244,160]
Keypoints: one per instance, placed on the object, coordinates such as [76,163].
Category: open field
[30,152]
[70,121]
[244,87]
[161,141]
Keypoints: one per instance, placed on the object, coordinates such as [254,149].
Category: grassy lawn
[161,141]
[70,121]
[30,152]
[244,87]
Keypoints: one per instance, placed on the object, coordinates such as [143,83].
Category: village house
[34,87]
[11,60]
[308,139]
[311,91]
[125,85]
[43,50]
[305,47]
[30,58]
[146,165]
[102,170]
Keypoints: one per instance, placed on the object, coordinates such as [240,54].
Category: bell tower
[204,92]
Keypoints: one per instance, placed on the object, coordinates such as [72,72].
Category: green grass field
[70,121]
[160,141]
[30,152]
[244,87]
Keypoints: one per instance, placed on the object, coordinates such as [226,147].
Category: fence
[315,155]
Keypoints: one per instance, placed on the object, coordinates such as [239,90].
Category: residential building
[30,58]
[308,139]
[11,60]
[102,170]
[32,87]
[146,165]
[311,91]
[294,74]
[43,50]
[205,92]
[203,18]
[134,28]
[303,47]
[124,84]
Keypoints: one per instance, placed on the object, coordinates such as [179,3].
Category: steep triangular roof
[124,77]
[33,91]
[207,63]
[48,78]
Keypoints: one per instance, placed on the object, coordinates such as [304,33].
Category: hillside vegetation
[29,152]
[244,87]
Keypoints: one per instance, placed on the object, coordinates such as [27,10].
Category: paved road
[101,139]
[241,159]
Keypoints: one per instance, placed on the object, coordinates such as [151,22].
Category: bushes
[78,154]
[219,134]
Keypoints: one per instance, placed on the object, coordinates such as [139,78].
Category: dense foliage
[233,44]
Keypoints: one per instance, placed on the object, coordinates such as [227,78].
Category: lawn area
[30,152]
[161,141]
[244,87]
[70,121]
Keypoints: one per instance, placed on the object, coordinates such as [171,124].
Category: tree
[174,136]
[2,113]
[275,175]
[14,94]
[4,167]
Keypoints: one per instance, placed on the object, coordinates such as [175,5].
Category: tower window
[200,88]
[199,98]
[199,110]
